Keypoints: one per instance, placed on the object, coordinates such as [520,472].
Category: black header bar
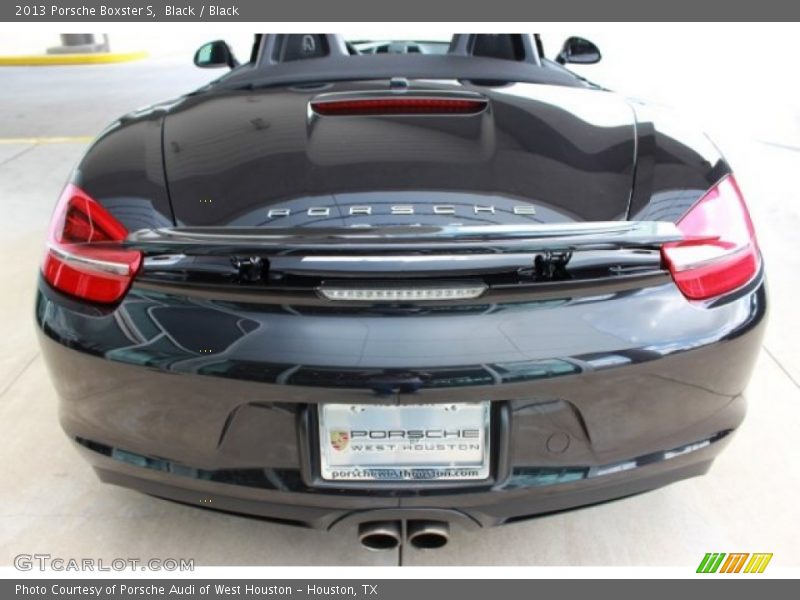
[450,11]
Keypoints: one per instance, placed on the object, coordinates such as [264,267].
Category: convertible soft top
[280,60]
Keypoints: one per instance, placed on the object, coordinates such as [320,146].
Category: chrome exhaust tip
[428,535]
[379,535]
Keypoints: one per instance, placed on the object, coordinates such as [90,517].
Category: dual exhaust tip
[388,535]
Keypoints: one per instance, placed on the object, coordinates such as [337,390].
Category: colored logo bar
[735,562]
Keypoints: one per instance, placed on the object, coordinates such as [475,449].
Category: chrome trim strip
[494,238]
[92,264]
[401,232]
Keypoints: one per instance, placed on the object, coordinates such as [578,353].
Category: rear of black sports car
[451,302]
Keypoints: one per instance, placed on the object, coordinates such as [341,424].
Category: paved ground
[50,501]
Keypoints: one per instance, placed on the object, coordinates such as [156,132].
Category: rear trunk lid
[536,154]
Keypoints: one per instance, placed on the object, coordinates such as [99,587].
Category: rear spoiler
[489,239]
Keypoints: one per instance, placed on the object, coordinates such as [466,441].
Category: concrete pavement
[51,502]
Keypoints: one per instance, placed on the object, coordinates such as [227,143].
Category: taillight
[84,257]
[720,252]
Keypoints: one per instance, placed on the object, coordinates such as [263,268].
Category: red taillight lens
[398,106]
[81,258]
[720,252]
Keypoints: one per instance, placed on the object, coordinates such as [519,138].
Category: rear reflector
[83,256]
[720,253]
[398,106]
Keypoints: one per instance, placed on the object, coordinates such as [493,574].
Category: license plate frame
[418,442]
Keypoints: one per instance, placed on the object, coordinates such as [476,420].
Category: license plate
[423,442]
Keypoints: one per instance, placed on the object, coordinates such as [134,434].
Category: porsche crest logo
[339,440]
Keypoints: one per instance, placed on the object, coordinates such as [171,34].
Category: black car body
[317,231]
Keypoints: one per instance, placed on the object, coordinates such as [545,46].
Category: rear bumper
[474,509]
[594,398]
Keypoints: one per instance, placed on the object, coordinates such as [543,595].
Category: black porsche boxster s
[398,287]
